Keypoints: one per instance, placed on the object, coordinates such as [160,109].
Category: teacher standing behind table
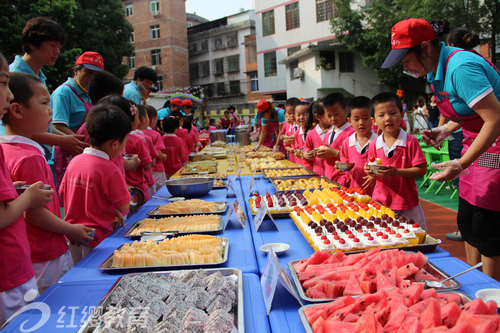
[468,89]
[272,120]
[70,103]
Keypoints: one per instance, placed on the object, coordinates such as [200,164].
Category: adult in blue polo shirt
[70,103]
[144,78]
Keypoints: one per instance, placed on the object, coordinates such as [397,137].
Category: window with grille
[154,31]
[219,45]
[203,47]
[155,57]
[204,68]
[193,48]
[346,62]
[159,83]
[254,82]
[268,23]
[327,59]
[154,6]
[234,87]
[233,63]
[292,16]
[131,61]
[270,64]
[129,10]
[221,88]
[325,9]
[208,90]
[193,71]
[232,40]
[292,50]
[132,37]
[219,66]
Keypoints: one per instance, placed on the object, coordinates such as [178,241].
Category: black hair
[294,101]
[281,106]
[419,101]
[166,104]
[102,84]
[107,122]
[170,124]
[152,112]
[187,122]
[463,38]
[142,110]
[41,29]
[334,98]
[121,102]
[176,116]
[212,121]
[231,107]
[145,73]
[385,97]
[317,108]
[359,102]
[226,112]
[310,117]
[21,86]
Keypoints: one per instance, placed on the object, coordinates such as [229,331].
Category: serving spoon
[440,284]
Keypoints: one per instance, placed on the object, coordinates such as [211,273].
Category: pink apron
[61,156]
[273,128]
[481,186]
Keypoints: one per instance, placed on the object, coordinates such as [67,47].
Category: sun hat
[262,107]
[188,103]
[91,60]
[176,101]
[405,35]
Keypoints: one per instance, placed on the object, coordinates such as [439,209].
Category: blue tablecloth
[70,303]
[241,253]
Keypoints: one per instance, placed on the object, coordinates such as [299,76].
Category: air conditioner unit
[155,13]
[298,73]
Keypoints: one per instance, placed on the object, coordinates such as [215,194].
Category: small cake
[385,241]
[341,244]
[418,231]
[374,161]
[410,236]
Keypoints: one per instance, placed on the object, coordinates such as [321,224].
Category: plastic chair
[429,157]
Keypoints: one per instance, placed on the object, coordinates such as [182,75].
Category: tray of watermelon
[410,310]
[324,276]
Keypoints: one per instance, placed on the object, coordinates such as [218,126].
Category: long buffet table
[81,289]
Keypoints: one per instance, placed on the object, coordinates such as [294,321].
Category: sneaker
[455,236]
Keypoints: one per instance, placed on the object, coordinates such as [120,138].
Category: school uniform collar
[400,141]
[96,152]
[137,131]
[321,132]
[20,139]
[340,129]
[169,134]
[353,141]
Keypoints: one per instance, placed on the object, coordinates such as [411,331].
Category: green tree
[366,30]
[90,25]
[492,23]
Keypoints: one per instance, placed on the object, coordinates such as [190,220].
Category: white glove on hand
[451,170]
[276,149]
[435,136]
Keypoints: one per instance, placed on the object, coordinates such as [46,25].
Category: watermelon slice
[339,303]
[312,313]
[431,316]
[300,265]
[450,313]
[428,293]
[383,283]
[369,322]
[451,298]
[340,314]
[412,293]
[368,287]
[410,324]
[396,316]
[318,257]
[353,288]
[476,306]
[340,327]
[319,325]
[353,259]
[407,270]
[463,327]
[351,318]
[422,275]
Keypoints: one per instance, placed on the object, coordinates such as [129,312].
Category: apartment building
[298,56]
[160,40]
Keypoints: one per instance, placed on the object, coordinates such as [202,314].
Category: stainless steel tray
[429,267]
[267,170]
[221,205]
[211,168]
[235,275]
[273,179]
[106,264]
[130,232]
[219,187]
[465,298]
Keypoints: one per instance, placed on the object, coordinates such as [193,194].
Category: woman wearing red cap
[467,90]
[272,120]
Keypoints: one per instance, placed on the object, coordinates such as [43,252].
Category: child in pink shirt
[182,133]
[316,136]
[50,253]
[289,127]
[400,152]
[143,125]
[93,189]
[17,276]
[304,119]
[158,170]
[355,148]
[336,113]
[173,147]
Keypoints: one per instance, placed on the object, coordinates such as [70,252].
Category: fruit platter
[177,252]
[285,172]
[280,204]
[325,276]
[208,300]
[402,311]
[302,183]
[348,220]
[177,224]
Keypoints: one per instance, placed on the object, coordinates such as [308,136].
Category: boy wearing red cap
[71,103]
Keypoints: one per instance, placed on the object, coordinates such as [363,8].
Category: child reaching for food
[316,136]
[289,127]
[336,113]
[304,118]
[355,147]
[401,157]
[174,149]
